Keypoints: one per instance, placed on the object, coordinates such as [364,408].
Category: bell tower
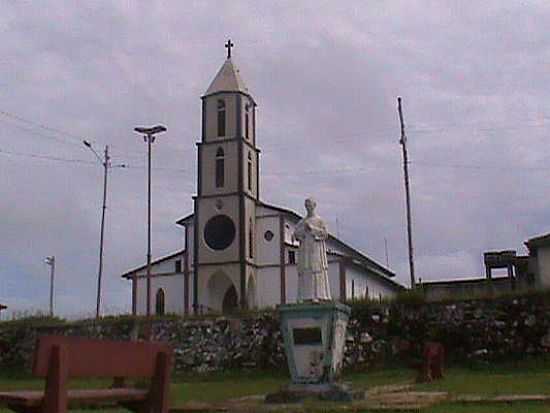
[227,192]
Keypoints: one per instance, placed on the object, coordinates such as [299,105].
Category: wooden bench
[58,359]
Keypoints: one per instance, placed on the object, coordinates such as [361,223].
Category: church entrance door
[222,294]
[230,300]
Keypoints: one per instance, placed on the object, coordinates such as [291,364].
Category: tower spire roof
[228,78]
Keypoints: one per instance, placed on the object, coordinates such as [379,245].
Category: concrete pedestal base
[295,393]
[314,336]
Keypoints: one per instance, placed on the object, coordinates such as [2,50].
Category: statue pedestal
[314,337]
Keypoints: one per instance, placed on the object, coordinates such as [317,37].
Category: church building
[239,251]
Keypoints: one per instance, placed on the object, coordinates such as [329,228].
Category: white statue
[312,256]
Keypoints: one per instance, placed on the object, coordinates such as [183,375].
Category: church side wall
[335,248]
[291,283]
[289,230]
[381,288]
[268,250]
[173,287]
[164,267]
[269,287]
[356,283]
[334,279]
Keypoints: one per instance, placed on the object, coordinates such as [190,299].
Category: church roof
[352,252]
[129,274]
[228,79]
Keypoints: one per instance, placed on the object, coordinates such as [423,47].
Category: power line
[310,172]
[46,157]
[76,138]
[34,132]
[378,132]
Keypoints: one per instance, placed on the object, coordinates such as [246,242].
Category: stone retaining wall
[505,329]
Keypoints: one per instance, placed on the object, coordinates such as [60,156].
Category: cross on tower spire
[228,46]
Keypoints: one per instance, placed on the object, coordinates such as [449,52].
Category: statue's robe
[313,284]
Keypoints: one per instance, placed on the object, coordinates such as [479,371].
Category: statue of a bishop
[311,232]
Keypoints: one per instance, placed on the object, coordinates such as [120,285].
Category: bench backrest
[99,358]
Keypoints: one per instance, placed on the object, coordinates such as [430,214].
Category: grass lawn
[533,379]
[489,408]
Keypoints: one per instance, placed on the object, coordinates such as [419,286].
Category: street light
[149,137]
[106,162]
[51,262]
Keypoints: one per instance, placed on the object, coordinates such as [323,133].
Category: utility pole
[106,163]
[149,138]
[51,262]
[403,142]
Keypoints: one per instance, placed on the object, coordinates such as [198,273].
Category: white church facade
[239,251]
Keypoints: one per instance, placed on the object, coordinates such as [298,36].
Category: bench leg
[55,396]
[160,384]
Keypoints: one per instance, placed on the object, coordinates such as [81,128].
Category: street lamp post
[106,162]
[149,137]
[51,262]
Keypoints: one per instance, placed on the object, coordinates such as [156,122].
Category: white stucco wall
[268,252]
[173,287]
[165,267]
[363,279]
[268,287]
[334,279]
[356,283]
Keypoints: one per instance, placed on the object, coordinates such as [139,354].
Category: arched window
[221,117]
[246,120]
[159,303]
[250,240]
[220,166]
[249,171]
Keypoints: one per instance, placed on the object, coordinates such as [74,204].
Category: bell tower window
[220,166]
[221,117]
[247,121]
[159,302]
[249,171]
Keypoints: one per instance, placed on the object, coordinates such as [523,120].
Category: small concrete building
[539,260]
[239,251]
[522,273]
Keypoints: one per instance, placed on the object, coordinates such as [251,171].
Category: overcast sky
[474,78]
